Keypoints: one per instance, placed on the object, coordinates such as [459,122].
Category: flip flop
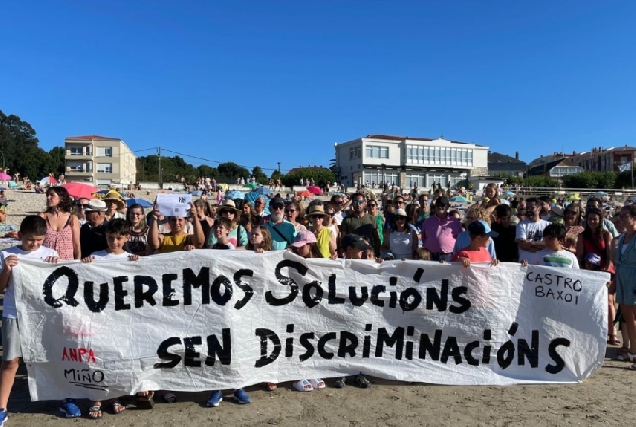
[303,385]
[117,407]
[317,383]
[169,397]
[95,408]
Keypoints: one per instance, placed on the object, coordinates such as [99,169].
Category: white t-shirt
[565,259]
[106,255]
[532,232]
[42,253]
[339,217]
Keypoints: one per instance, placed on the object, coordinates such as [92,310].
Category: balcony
[83,154]
[78,171]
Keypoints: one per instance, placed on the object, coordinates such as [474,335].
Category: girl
[177,239]
[305,246]
[325,242]
[62,227]
[572,222]
[138,242]
[204,215]
[400,239]
[260,240]
[372,209]
[293,211]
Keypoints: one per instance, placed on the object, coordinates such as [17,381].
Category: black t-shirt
[93,239]
[505,244]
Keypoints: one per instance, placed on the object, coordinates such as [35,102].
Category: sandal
[612,340]
[170,398]
[317,383]
[631,367]
[340,382]
[626,357]
[361,381]
[117,407]
[303,385]
[95,409]
[271,386]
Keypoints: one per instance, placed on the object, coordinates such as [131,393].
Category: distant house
[556,168]
[501,164]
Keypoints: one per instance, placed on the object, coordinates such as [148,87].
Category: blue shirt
[463,241]
[283,234]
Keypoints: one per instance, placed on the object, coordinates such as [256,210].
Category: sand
[604,398]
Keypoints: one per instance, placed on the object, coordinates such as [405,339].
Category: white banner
[207,320]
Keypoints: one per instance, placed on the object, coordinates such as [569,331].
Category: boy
[31,235]
[505,244]
[554,255]
[117,235]
[480,234]
[222,227]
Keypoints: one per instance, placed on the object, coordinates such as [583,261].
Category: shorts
[11,348]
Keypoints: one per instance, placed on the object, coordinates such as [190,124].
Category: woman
[247,218]
[372,209]
[573,227]
[114,203]
[138,242]
[625,273]
[293,211]
[177,239]
[62,227]
[238,234]
[325,241]
[80,206]
[596,240]
[400,239]
[203,213]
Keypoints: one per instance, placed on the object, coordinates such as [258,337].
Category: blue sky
[258,82]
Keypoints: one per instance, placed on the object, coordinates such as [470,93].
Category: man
[283,232]
[546,207]
[530,231]
[440,231]
[361,223]
[337,201]
[505,242]
[93,233]
[259,206]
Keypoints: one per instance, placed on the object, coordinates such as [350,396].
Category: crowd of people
[537,231]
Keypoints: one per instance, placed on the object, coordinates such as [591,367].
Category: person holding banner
[530,231]
[32,233]
[480,237]
[625,273]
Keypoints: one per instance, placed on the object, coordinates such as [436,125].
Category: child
[260,240]
[31,234]
[221,231]
[423,254]
[117,235]
[222,228]
[480,234]
[554,255]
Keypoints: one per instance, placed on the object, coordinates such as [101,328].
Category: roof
[413,138]
[502,162]
[91,137]
[546,167]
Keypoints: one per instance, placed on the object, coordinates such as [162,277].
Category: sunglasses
[277,208]
[258,203]
[338,202]
[82,206]
[372,205]
[358,202]
[290,211]
[399,202]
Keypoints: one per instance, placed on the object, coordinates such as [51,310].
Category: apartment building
[605,160]
[99,160]
[405,161]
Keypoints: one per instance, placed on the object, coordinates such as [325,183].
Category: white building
[404,161]
[99,160]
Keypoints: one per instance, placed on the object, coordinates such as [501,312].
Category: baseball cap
[481,228]
[277,201]
[303,238]
[355,241]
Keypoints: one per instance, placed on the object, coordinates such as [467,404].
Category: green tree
[259,175]
[322,176]
[541,181]
[230,171]
[57,160]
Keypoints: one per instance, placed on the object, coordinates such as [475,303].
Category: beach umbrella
[235,194]
[305,193]
[2,188]
[251,185]
[508,194]
[47,180]
[196,193]
[142,202]
[262,190]
[4,177]
[80,190]
[315,190]
[459,199]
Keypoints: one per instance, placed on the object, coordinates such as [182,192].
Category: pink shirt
[438,235]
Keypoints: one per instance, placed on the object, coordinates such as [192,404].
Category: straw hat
[228,204]
[317,210]
[400,212]
[113,197]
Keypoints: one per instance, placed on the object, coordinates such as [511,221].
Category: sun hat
[303,238]
[356,241]
[114,197]
[317,210]
[228,204]
[96,206]
[400,212]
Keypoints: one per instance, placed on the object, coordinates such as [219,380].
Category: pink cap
[304,237]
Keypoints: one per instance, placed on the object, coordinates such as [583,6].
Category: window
[77,151]
[415,178]
[104,168]
[376,152]
[104,152]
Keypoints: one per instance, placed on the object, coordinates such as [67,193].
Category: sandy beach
[604,398]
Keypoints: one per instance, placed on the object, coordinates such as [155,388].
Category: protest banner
[206,320]
[173,204]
